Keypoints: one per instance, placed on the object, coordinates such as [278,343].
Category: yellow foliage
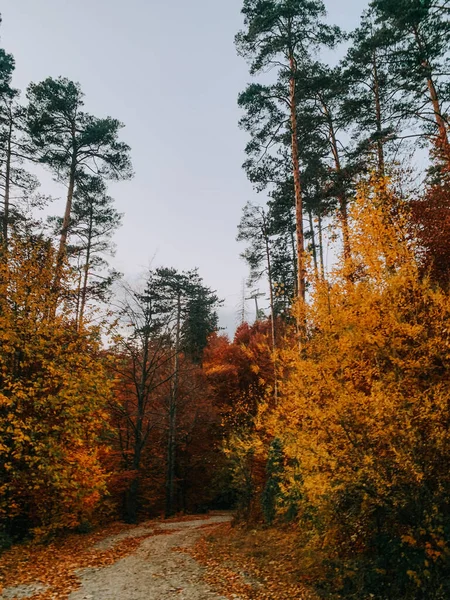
[52,391]
[364,409]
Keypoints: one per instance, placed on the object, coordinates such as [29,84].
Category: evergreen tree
[274,476]
[17,186]
[371,108]
[70,141]
[254,229]
[283,34]
[93,223]
[419,32]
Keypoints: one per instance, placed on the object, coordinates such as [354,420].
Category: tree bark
[342,199]
[7,188]
[66,220]
[378,116]
[171,442]
[86,269]
[322,265]
[440,121]
[442,125]
[301,285]
[313,244]
[272,308]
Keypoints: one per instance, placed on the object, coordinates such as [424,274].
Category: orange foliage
[363,417]
[240,373]
[55,564]
[53,389]
[197,435]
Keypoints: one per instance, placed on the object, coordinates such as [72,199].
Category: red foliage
[431,215]
[240,373]
[197,439]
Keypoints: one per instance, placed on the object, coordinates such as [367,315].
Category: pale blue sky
[169,71]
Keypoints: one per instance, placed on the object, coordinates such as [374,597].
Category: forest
[328,417]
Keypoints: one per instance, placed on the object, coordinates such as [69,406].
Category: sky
[169,71]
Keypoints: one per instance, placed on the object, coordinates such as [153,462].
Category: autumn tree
[419,31]
[430,220]
[170,322]
[93,223]
[53,390]
[70,141]
[283,35]
[371,107]
[241,378]
[363,417]
[240,373]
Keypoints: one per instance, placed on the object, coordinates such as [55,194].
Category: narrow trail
[154,571]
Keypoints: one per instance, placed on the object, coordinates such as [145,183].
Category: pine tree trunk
[294,256]
[86,270]
[272,311]
[442,125]
[66,223]
[440,121]
[171,442]
[313,244]
[322,265]
[342,199]
[7,188]
[378,116]
[301,285]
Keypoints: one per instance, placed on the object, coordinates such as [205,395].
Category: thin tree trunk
[272,310]
[7,187]
[442,125]
[77,306]
[440,121]
[322,265]
[66,223]
[378,116]
[68,210]
[313,244]
[132,494]
[86,268]
[342,199]
[301,286]
[171,444]
[294,256]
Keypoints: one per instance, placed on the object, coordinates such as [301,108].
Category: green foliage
[68,139]
[276,29]
[419,36]
[245,455]
[167,288]
[372,108]
[274,471]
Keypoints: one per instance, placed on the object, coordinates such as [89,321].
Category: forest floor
[189,558]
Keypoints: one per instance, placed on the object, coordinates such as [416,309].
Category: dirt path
[154,571]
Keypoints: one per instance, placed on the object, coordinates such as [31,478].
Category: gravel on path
[155,571]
